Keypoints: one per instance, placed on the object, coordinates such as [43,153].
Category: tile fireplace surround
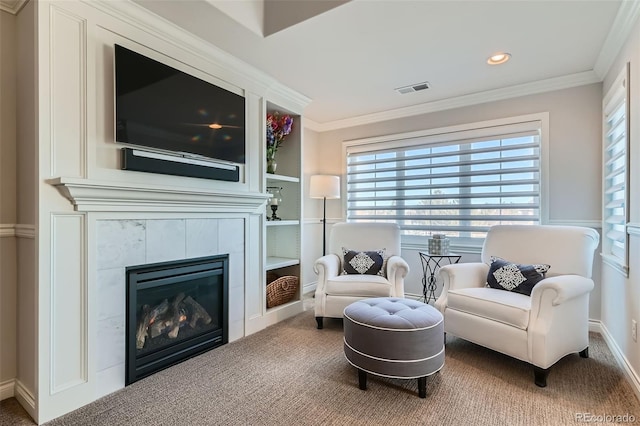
[128,242]
[99,229]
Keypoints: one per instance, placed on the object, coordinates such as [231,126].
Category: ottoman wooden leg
[362,379]
[422,387]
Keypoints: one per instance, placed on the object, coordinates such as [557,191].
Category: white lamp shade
[324,186]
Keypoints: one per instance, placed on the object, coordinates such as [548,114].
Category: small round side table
[430,265]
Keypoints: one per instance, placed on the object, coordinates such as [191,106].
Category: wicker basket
[282,290]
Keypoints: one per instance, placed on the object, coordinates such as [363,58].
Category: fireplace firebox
[175,310]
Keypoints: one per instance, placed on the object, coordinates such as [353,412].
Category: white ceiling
[349,59]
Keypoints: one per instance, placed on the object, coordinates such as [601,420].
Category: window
[615,174]
[457,181]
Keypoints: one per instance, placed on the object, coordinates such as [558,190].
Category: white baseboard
[309,287]
[7,389]
[631,375]
[595,326]
[26,399]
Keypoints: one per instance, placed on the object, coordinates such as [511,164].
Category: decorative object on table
[275,201]
[439,244]
[277,128]
[324,187]
[282,290]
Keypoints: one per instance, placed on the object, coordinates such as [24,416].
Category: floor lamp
[324,187]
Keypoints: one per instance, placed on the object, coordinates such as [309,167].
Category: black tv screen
[161,107]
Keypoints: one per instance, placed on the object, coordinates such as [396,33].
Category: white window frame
[470,130]
[615,250]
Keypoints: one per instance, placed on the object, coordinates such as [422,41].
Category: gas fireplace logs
[167,318]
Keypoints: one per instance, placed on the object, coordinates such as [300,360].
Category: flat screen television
[160,107]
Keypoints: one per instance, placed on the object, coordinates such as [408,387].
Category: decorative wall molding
[7,230]
[541,86]
[596,224]
[69,76]
[17,230]
[93,196]
[633,228]
[69,356]
[318,220]
[12,6]
[25,231]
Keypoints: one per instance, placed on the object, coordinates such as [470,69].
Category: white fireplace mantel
[102,196]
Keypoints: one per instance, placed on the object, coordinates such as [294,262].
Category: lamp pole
[322,187]
[324,226]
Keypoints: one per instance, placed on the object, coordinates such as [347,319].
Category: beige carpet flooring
[293,374]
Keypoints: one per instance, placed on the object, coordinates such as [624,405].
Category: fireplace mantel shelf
[103,196]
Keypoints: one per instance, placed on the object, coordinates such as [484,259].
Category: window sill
[615,263]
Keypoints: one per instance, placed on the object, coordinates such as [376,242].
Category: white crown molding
[12,6]
[101,196]
[141,18]
[623,24]
[541,86]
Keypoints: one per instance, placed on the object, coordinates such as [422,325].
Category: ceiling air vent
[413,88]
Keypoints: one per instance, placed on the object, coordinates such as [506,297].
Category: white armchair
[541,328]
[336,291]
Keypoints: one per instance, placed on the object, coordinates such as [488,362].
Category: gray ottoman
[393,337]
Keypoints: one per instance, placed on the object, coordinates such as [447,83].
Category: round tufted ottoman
[393,337]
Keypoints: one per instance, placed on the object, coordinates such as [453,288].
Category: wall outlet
[634,330]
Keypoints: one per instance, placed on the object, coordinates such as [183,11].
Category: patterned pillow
[505,275]
[363,262]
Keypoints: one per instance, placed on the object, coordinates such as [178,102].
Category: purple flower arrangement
[277,128]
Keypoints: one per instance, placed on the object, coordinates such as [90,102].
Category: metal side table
[430,265]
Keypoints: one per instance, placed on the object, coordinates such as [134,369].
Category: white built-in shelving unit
[284,237]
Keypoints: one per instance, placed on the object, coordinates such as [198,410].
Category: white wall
[621,295]
[69,179]
[574,157]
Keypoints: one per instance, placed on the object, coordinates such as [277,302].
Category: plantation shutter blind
[458,183]
[615,170]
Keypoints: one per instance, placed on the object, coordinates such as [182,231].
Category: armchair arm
[560,289]
[461,275]
[326,267]
[397,270]
[559,318]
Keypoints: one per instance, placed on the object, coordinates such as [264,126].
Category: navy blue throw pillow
[363,262]
[505,275]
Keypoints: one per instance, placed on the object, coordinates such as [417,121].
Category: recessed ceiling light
[215,126]
[498,58]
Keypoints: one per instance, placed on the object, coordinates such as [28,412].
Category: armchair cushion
[505,275]
[363,262]
[358,285]
[506,307]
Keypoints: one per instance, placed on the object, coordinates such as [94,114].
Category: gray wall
[574,157]
[620,294]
